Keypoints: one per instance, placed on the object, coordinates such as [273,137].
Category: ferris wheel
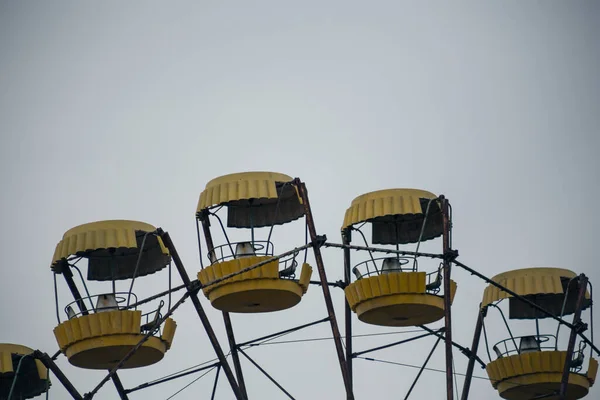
[387,281]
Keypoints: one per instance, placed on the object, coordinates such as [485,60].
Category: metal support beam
[234,353]
[382,250]
[214,391]
[346,239]
[119,386]
[447,303]
[266,374]
[474,346]
[422,368]
[68,275]
[280,333]
[462,349]
[48,363]
[385,346]
[226,318]
[317,242]
[201,313]
[577,326]
[172,377]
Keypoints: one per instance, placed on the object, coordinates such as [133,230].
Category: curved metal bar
[562,310]
[403,261]
[277,210]
[84,285]
[517,350]
[305,240]
[170,285]
[123,298]
[367,245]
[591,317]
[199,244]
[56,299]
[487,345]
[224,232]
[505,323]
[137,265]
[14,382]
[421,234]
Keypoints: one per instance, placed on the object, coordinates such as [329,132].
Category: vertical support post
[316,241]
[346,239]
[68,275]
[577,327]
[226,319]
[473,353]
[48,363]
[447,303]
[201,314]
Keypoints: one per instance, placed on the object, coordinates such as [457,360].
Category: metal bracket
[319,241]
[450,255]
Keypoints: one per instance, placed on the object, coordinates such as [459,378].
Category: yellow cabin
[21,376]
[392,290]
[100,329]
[531,366]
[252,200]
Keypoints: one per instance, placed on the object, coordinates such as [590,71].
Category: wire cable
[418,367]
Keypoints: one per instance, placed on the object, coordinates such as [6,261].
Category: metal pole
[201,314]
[577,326]
[250,343]
[473,355]
[68,275]
[385,346]
[226,319]
[382,250]
[447,303]
[422,368]
[172,377]
[346,239]
[266,374]
[119,386]
[462,349]
[214,391]
[316,241]
[48,363]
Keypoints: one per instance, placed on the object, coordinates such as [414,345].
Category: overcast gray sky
[126,109]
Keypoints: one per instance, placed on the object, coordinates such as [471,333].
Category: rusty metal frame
[317,241]
[203,218]
[193,293]
[51,365]
[448,255]
[474,347]
[578,326]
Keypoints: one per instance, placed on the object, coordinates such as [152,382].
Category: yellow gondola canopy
[397,215]
[546,287]
[112,249]
[253,199]
[32,375]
